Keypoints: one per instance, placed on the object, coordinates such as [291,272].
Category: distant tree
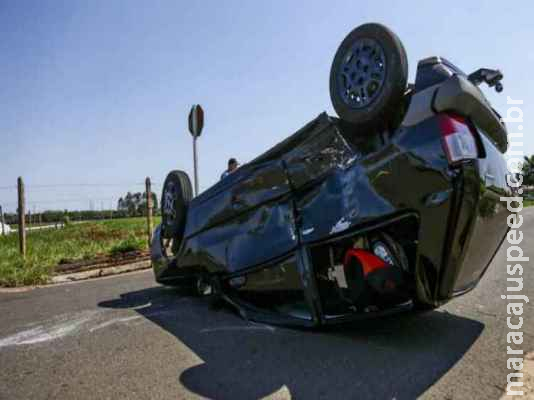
[154,200]
[528,171]
[134,204]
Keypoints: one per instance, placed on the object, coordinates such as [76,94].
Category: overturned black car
[393,206]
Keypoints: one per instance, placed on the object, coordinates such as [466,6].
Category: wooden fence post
[22,219]
[2,221]
[149,209]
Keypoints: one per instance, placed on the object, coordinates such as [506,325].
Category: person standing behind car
[232,166]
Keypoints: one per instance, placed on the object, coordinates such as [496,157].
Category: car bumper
[478,223]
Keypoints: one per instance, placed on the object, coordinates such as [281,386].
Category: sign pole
[195,164]
[196,123]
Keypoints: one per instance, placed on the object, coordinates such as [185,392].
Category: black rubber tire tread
[396,249]
[184,195]
[382,113]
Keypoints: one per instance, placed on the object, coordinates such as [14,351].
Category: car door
[263,224]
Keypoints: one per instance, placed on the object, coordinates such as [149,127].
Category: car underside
[342,220]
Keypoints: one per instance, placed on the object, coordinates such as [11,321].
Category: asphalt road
[126,337]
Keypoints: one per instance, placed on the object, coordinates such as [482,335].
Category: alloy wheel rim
[362,73]
[169,203]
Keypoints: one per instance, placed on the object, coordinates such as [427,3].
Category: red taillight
[458,140]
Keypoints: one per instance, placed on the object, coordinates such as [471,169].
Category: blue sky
[98,91]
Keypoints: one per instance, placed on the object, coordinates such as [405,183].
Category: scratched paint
[307,231]
[340,225]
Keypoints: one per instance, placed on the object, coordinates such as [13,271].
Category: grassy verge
[528,203]
[48,248]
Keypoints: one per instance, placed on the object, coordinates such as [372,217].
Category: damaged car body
[332,225]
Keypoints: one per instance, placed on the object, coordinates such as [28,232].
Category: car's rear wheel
[368,78]
[176,195]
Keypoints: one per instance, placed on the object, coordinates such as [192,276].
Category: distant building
[7,229]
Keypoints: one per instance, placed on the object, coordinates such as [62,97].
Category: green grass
[528,203]
[83,241]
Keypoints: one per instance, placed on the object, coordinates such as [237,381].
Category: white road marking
[49,330]
[59,327]
[114,321]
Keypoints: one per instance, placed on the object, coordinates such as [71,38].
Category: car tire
[388,246]
[176,195]
[368,78]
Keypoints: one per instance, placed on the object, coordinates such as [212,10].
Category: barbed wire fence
[36,207]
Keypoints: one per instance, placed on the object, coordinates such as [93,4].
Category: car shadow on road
[394,357]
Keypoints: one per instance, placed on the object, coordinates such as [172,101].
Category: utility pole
[2,221]
[148,209]
[22,219]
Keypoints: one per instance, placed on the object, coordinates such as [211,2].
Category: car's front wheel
[176,195]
